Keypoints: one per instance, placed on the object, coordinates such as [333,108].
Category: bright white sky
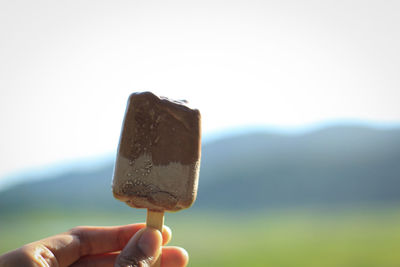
[67,67]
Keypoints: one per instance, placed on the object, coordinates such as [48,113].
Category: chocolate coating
[158,159]
[168,130]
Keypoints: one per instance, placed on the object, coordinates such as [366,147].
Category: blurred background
[300,109]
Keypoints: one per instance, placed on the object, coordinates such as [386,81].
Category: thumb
[142,249]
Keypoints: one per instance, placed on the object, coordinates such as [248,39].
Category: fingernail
[150,242]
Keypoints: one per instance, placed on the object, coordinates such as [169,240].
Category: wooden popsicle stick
[155,219]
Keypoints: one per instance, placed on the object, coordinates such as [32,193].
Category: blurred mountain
[336,165]
[331,166]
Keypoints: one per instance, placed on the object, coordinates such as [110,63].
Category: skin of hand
[131,245]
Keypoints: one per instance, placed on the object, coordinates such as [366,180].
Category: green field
[359,237]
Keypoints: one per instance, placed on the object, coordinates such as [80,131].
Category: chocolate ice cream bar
[158,158]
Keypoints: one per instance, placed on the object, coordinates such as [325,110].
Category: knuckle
[80,233]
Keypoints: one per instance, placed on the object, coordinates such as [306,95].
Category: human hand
[99,246]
